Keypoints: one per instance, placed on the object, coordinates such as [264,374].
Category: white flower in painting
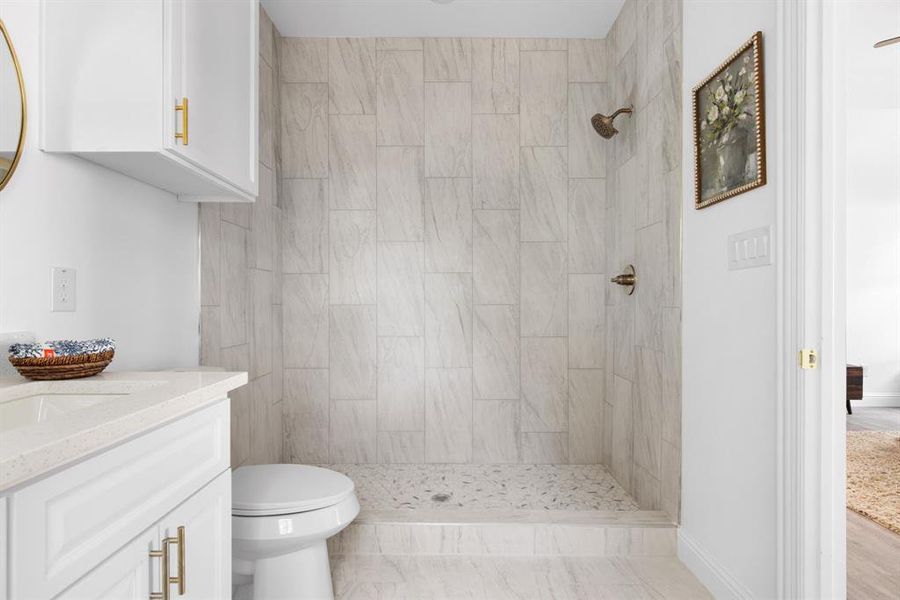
[747,58]
[726,111]
[720,93]
[702,125]
[739,96]
[728,88]
[712,114]
[742,72]
[743,116]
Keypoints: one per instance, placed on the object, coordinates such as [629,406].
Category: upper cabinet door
[211,52]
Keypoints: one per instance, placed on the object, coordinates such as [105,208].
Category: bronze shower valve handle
[628,278]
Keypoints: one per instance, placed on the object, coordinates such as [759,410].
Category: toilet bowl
[282,516]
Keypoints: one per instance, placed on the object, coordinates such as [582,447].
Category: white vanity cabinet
[162,90]
[108,527]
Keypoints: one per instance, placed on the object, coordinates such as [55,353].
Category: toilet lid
[262,490]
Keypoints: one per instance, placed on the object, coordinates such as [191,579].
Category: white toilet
[282,516]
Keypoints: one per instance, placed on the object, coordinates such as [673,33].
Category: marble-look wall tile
[496,352]
[351,241]
[496,256]
[544,375]
[448,225]
[648,416]
[534,44]
[448,59]
[495,75]
[352,162]
[210,254]
[398,43]
[261,329]
[305,321]
[401,189]
[587,227]
[544,192]
[544,289]
[670,480]
[268,88]
[496,160]
[448,135]
[260,249]
[353,438]
[303,60]
[588,61]
[304,130]
[266,37]
[621,327]
[306,415]
[651,255]
[353,353]
[448,415]
[351,76]
[277,352]
[587,321]
[585,415]
[401,288]
[401,447]
[543,103]
[401,384]
[495,437]
[671,372]
[304,226]
[448,320]
[400,99]
[544,448]
[587,150]
[237,358]
[235,286]
[210,336]
[621,465]
[646,488]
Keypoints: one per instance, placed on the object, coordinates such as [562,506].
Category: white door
[212,57]
[129,574]
[206,519]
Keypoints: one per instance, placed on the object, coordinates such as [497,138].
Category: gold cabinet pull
[183,107]
[165,579]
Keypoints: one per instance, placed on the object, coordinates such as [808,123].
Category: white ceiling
[458,18]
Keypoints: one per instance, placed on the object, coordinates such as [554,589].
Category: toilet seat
[268,490]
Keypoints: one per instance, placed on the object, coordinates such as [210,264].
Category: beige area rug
[873,476]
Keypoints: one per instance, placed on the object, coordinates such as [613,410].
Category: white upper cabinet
[162,90]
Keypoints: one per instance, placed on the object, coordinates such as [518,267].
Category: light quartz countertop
[135,403]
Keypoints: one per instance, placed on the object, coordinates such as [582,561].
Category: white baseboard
[878,399]
[721,584]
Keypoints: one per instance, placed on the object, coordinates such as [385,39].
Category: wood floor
[873,552]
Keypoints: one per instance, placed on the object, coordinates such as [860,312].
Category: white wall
[135,247]
[728,531]
[871,102]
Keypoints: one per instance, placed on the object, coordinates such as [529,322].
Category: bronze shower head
[604,124]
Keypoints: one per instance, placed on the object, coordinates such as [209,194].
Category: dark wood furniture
[854,385]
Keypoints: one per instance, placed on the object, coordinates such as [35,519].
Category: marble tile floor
[499,578]
[442,487]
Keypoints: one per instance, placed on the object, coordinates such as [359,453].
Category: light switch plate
[62,284]
[750,249]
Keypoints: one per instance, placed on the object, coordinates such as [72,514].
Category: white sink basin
[45,407]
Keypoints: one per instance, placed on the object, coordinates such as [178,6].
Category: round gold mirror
[12,108]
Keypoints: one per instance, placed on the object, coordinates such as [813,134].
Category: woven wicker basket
[63,367]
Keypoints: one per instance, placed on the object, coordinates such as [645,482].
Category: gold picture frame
[729,122]
[8,166]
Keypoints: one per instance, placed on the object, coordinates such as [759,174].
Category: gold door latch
[808,359]
[165,579]
[183,107]
[627,279]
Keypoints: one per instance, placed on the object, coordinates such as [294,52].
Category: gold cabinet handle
[165,579]
[183,107]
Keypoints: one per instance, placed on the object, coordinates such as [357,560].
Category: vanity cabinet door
[206,519]
[212,57]
[129,574]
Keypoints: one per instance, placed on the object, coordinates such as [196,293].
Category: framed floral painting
[730,127]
